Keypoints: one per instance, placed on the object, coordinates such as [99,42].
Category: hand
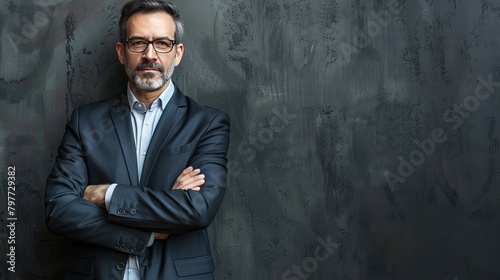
[161,236]
[96,194]
[189,179]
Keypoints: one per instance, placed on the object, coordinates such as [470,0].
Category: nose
[150,53]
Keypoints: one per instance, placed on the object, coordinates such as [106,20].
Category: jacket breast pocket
[194,266]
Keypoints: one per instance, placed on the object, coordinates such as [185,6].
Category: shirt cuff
[108,195]
[151,239]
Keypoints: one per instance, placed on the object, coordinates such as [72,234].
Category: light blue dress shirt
[144,122]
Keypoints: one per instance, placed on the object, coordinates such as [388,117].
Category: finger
[185,180]
[189,174]
[194,172]
[160,235]
[194,184]
[187,170]
[193,178]
[186,183]
[185,174]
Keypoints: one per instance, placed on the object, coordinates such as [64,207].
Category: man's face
[149,70]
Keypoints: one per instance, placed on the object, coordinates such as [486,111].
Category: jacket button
[125,211]
[116,245]
[133,211]
[120,266]
[122,246]
[120,211]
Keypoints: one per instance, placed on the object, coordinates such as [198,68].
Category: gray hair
[151,6]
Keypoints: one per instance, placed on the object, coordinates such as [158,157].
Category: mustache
[150,65]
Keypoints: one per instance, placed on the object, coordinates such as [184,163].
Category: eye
[138,42]
[163,43]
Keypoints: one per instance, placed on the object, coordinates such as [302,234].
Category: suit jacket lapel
[120,114]
[172,114]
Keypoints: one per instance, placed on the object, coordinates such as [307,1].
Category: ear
[179,51]
[120,51]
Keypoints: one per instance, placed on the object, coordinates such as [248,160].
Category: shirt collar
[161,101]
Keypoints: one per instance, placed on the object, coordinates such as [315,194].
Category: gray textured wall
[366,126]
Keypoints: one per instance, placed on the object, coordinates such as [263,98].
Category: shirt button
[120,266]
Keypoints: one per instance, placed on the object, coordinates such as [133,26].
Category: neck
[147,96]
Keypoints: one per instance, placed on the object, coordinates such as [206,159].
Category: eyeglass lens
[140,45]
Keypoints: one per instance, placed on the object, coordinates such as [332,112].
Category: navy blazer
[98,147]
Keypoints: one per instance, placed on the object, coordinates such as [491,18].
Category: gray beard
[147,82]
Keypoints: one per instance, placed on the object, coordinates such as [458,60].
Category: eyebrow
[159,38]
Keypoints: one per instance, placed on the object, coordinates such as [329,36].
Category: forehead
[151,25]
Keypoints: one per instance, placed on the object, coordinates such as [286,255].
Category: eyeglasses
[139,45]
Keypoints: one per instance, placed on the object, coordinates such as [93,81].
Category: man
[115,189]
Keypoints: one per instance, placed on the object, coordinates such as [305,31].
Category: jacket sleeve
[177,211]
[68,214]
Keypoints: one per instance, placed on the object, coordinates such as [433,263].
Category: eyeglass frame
[174,42]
